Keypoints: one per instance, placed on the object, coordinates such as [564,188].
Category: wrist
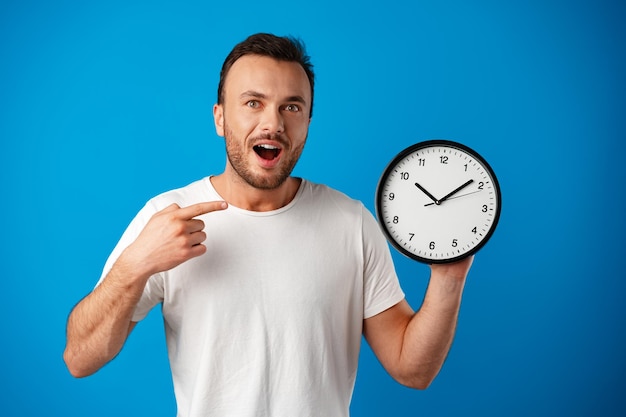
[130,270]
[456,270]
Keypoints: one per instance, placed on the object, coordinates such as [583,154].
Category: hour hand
[425,191]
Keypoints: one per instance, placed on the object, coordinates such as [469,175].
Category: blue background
[105,104]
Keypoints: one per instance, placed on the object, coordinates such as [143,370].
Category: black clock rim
[425,144]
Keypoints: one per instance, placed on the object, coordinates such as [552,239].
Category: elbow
[416,380]
[73,366]
[416,383]
[77,373]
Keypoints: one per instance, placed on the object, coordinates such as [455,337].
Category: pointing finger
[199,209]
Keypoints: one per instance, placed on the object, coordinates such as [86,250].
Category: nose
[272,121]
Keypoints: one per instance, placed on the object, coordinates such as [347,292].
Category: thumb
[172,207]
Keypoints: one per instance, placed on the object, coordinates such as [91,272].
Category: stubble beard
[236,153]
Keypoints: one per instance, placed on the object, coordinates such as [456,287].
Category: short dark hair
[282,48]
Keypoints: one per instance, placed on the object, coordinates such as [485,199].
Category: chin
[267,183]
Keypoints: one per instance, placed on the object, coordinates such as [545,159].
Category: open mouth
[267,152]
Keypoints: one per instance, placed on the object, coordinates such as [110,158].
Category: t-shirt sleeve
[153,291]
[381,285]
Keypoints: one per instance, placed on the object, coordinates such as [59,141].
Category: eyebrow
[256,94]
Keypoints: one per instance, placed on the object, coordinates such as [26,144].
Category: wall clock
[438,201]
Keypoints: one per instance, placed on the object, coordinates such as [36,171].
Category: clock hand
[455,191]
[435,201]
[456,196]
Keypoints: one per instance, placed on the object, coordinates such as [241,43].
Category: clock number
[391,196]
[432,245]
[443,159]
[481,185]
[404,175]
[411,236]
[395,220]
[485,208]
[474,230]
[421,162]
[465,167]
[455,243]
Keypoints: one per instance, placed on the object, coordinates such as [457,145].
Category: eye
[292,107]
[253,104]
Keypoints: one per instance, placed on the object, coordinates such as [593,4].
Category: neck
[239,193]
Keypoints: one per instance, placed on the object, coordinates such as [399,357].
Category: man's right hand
[99,324]
[171,237]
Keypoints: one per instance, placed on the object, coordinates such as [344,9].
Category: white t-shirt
[268,321]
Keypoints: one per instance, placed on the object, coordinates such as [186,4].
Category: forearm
[99,325]
[430,332]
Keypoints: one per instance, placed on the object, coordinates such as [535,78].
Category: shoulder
[330,196]
[331,203]
[192,193]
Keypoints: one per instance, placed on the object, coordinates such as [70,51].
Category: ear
[218,118]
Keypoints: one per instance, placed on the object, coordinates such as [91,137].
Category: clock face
[438,201]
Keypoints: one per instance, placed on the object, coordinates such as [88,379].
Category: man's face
[264,118]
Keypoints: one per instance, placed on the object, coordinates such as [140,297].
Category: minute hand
[455,191]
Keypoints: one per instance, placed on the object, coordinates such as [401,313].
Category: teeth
[265,146]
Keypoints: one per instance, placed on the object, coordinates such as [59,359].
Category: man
[266,281]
